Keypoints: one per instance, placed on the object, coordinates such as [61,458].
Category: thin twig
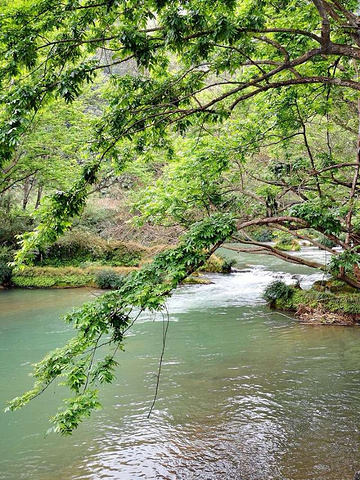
[91,363]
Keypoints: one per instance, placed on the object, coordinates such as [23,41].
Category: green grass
[61,277]
[343,302]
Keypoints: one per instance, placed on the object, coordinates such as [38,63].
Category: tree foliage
[104,322]
[195,64]
[174,69]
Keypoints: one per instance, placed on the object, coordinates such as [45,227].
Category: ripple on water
[245,394]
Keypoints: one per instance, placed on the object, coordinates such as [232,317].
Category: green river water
[245,393]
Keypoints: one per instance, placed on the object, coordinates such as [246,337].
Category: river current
[245,393]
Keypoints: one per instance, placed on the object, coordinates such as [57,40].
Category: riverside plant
[105,321]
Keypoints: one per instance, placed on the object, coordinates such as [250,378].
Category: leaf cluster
[105,321]
[319,216]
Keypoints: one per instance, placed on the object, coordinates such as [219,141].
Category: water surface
[245,393]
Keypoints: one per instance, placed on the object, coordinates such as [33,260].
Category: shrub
[125,254]
[263,236]
[108,279]
[276,291]
[5,270]
[5,274]
[74,248]
[326,241]
[95,216]
[80,247]
[12,224]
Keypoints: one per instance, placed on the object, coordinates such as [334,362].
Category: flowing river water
[245,393]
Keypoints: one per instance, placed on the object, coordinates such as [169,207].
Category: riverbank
[326,303]
[98,276]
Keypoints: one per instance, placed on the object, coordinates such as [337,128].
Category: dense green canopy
[188,64]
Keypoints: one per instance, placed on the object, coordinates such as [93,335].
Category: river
[245,393]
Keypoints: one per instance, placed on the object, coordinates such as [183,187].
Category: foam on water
[241,288]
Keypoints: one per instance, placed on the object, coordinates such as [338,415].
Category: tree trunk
[353,185]
[28,184]
[39,195]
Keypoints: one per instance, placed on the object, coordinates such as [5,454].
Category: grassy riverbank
[326,303]
[64,277]
[99,276]
[82,258]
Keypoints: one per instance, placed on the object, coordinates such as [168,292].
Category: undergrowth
[284,297]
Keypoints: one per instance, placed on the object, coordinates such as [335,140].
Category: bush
[276,291]
[12,224]
[227,264]
[80,247]
[108,279]
[74,248]
[5,271]
[125,254]
[95,217]
[5,274]
[326,241]
[263,236]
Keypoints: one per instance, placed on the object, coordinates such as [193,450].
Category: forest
[139,138]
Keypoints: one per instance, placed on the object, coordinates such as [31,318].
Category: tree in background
[49,154]
[285,163]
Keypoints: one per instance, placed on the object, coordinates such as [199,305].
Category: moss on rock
[288,246]
[217,264]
